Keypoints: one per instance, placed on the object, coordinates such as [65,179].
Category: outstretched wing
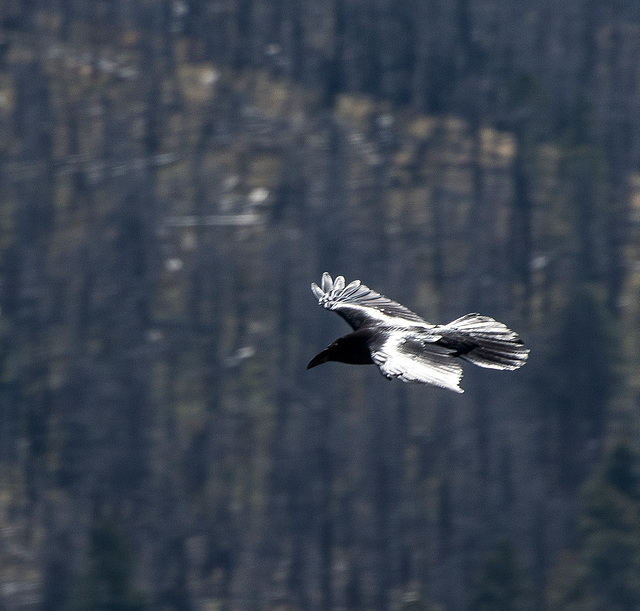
[415,360]
[360,306]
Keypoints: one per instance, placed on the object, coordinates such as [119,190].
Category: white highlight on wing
[497,346]
[327,283]
[477,325]
[346,309]
[358,304]
[428,368]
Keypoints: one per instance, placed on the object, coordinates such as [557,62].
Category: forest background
[173,176]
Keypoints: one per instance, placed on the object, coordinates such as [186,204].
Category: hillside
[174,175]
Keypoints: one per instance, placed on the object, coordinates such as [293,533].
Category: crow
[405,346]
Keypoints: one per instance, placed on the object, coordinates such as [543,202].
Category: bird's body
[405,346]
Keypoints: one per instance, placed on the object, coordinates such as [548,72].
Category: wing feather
[327,282]
[317,291]
[430,365]
[359,305]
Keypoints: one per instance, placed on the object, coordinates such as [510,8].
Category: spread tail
[485,342]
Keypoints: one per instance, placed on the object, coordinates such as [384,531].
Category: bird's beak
[318,359]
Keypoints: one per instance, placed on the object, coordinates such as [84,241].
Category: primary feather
[405,346]
[360,305]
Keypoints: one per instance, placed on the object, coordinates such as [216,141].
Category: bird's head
[322,357]
[352,348]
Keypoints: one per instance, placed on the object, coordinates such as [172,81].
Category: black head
[352,349]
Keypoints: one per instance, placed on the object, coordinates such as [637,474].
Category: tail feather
[486,342]
[509,357]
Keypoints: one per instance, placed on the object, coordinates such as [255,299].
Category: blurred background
[173,176]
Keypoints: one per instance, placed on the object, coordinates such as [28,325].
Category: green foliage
[107,583]
[577,129]
[581,377]
[621,471]
[501,584]
[525,100]
[522,90]
[585,199]
[602,574]
[583,356]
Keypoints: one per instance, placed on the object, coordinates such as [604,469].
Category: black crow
[405,346]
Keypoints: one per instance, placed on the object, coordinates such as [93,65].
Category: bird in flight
[405,346]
